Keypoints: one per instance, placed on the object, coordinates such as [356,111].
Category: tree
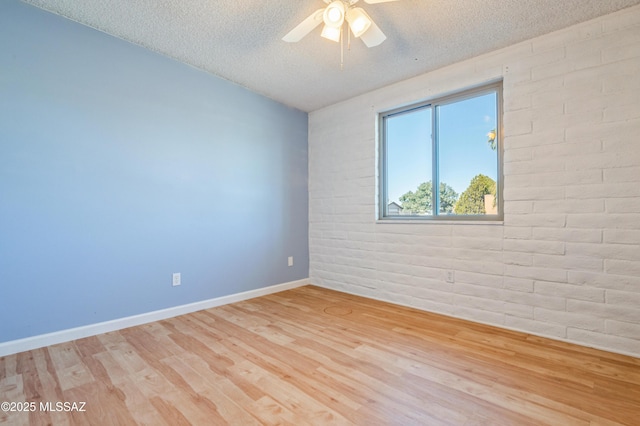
[419,202]
[472,199]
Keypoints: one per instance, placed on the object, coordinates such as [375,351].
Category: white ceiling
[240,40]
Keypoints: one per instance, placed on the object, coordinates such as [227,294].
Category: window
[442,159]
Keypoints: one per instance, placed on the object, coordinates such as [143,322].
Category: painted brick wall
[565,263]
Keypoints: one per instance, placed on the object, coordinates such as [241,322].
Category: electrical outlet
[176,279]
[450,276]
[290,261]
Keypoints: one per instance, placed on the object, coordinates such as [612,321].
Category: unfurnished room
[320,212]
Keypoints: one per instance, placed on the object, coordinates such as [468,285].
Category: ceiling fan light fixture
[331,33]
[358,20]
[334,14]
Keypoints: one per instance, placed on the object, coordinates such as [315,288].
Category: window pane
[468,156]
[409,163]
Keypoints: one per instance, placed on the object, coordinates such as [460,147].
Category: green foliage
[448,198]
[419,202]
[472,199]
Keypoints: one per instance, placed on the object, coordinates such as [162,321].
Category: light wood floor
[315,356]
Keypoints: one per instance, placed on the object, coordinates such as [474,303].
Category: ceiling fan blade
[373,36]
[304,27]
[377,1]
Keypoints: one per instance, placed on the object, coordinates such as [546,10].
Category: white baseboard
[29,343]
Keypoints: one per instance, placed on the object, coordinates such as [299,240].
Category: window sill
[421,221]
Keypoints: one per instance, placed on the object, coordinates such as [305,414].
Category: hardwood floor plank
[312,356]
[66,361]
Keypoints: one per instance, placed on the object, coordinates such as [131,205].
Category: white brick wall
[565,262]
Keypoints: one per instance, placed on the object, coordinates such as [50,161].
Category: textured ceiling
[240,40]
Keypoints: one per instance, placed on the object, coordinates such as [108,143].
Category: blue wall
[119,166]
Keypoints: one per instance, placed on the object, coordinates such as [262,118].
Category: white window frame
[383,216]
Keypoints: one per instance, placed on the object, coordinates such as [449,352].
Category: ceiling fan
[334,16]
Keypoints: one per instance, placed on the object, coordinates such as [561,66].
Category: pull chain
[341,48]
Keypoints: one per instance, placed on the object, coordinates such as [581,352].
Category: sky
[463,148]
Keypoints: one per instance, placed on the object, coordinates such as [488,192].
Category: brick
[601,221]
[518,154]
[601,131]
[569,291]
[542,274]
[481,303]
[621,113]
[604,280]
[477,291]
[596,103]
[623,329]
[568,262]
[537,219]
[622,45]
[485,267]
[516,258]
[586,60]
[603,190]
[520,181]
[535,246]
[604,341]
[568,235]
[623,143]
[495,281]
[533,193]
[601,160]
[617,83]
[550,96]
[427,305]
[518,207]
[515,127]
[478,243]
[604,251]
[567,149]
[623,205]
[516,101]
[478,315]
[626,174]
[599,74]
[551,69]
[566,120]
[517,232]
[623,298]
[555,40]
[443,297]
[533,167]
[569,206]
[518,310]
[524,82]
[567,319]
[622,267]
[542,137]
[514,74]
[602,310]
[619,20]
[626,236]
[536,300]
[519,284]
[602,43]
[533,326]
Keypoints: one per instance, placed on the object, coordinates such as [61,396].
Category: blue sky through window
[463,149]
